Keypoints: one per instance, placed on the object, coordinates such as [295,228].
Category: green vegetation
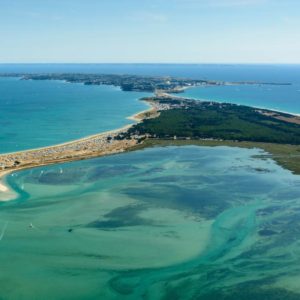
[131,82]
[126,82]
[219,121]
[214,124]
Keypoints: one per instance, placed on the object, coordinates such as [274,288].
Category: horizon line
[149,63]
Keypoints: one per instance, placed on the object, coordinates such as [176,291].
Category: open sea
[166,223]
[42,113]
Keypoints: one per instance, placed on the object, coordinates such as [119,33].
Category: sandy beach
[97,145]
[151,112]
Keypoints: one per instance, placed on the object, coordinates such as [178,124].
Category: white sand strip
[6,194]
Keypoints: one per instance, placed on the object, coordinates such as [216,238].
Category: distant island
[136,82]
[171,120]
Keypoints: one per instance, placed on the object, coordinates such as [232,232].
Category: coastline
[151,111]
[101,144]
[228,101]
[104,143]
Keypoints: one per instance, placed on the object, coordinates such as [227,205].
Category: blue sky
[180,31]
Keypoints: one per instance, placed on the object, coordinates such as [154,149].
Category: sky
[149,31]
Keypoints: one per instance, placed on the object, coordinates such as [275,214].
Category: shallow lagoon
[163,223]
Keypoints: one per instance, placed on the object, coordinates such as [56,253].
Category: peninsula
[136,82]
[174,120]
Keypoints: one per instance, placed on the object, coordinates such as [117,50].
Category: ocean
[42,113]
[160,223]
[284,98]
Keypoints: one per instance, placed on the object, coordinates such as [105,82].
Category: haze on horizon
[154,31]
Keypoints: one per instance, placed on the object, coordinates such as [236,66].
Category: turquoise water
[162,223]
[42,113]
[191,222]
[283,98]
